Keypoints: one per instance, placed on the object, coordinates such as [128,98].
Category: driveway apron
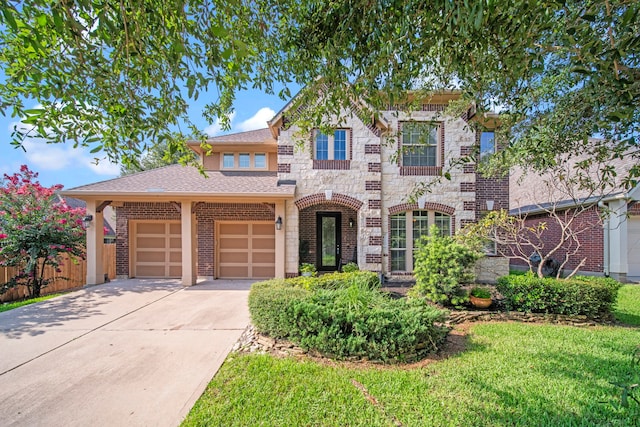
[130,352]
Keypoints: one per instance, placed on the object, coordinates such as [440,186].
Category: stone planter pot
[480,302]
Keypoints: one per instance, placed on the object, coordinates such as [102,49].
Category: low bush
[271,303]
[350,267]
[364,323]
[580,295]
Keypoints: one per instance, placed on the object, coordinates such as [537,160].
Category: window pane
[443,222]
[260,160]
[340,144]
[227,161]
[398,242]
[487,144]
[322,146]
[244,160]
[419,144]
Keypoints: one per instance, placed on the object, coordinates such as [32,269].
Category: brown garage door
[246,250]
[157,249]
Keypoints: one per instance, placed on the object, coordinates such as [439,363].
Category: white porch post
[280,240]
[189,242]
[618,239]
[95,244]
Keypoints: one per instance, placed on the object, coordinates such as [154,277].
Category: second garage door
[246,250]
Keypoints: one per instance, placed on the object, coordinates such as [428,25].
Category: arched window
[414,224]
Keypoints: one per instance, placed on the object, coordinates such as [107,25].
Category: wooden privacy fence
[75,272]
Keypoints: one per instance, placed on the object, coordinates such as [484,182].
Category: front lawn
[15,304]
[510,374]
[627,309]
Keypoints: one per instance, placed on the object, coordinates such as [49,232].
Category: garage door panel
[151,228]
[157,249]
[234,257]
[264,257]
[264,243]
[246,250]
[234,243]
[263,272]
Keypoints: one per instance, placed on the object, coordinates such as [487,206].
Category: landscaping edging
[457,317]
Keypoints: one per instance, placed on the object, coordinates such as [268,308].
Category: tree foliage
[117,76]
[36,229]
[156,156]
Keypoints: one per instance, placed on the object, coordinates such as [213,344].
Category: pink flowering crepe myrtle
[36,229]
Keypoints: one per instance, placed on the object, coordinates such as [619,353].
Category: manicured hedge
[345,315]
[364,323]
[271,304]
[581,295]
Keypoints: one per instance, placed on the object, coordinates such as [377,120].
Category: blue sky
[62,164]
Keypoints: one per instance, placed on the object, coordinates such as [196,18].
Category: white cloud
[216,128]
[258,121]
[55,157]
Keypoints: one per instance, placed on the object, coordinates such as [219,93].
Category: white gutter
[606,243]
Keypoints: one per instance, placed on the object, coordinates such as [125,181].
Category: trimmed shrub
[580,295]
[364,323]
[442,265]
[350,267]
[270,305]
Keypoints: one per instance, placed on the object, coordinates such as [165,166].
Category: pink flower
[63,221]
[3,236]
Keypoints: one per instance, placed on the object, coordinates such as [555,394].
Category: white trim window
[415,224]
[228,161]
[331,147]
[245,161]
[419,144]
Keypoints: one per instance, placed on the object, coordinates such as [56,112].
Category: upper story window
[332,151]
[260,160]
[244,161]
[421,145]
[228,161]
[406,230]
[487,144]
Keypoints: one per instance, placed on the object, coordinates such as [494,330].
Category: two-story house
[273,200]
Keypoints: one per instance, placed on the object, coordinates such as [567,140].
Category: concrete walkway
[129,352]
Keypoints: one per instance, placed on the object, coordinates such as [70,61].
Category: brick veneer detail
[374,167]
[338,198]
[373,222]
[372,185]
[285,150]
[375,204]
[372,149]
[284,168]
[467,187]
[375,240]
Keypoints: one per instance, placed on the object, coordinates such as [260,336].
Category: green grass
[627,308]
[15,304]
[512,374]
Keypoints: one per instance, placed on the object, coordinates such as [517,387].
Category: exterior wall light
[279,223]
[351,222]
[86,221]
[489,205]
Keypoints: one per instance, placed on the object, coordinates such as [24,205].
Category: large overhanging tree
[119,75]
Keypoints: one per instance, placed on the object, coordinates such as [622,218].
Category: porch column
[281,255]
[618,265]
[189,242]
[95,244]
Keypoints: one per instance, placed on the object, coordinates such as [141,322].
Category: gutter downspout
[606,243]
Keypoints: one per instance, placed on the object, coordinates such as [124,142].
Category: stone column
[189,242]
[95,244]
[281,252]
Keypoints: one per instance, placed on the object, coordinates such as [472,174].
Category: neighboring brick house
[609,222]
[271,201]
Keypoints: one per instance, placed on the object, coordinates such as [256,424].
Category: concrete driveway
[129,352]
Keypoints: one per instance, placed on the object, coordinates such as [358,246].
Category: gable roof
[186,181]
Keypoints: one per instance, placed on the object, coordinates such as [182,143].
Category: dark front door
[328,239]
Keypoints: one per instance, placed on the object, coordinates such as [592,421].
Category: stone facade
[374,177]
